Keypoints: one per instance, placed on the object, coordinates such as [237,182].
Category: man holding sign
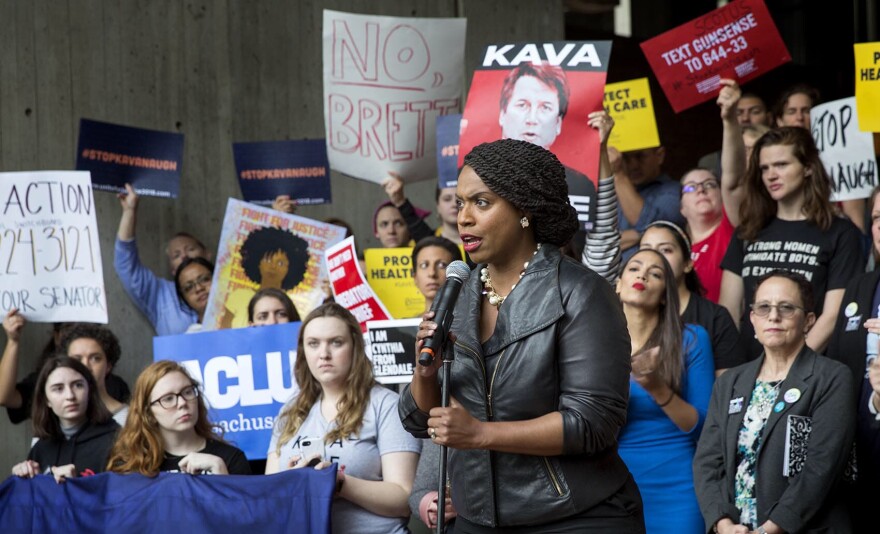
[155,297]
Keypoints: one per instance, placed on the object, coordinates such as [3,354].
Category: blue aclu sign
[246,376]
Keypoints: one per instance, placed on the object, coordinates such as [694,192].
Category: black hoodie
[88,449]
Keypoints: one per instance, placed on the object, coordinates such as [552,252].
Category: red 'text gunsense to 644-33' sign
[738,41]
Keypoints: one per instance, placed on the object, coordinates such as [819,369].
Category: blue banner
[447,150]
[297,500]
[295,168]
[149,160]
[246,376]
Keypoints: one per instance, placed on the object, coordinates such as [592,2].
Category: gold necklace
[496,299]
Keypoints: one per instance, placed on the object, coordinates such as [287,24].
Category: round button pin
[792,395]
[851,309]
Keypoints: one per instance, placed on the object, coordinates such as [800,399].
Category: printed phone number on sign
[49,249]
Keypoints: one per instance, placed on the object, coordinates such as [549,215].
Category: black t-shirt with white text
[828,259]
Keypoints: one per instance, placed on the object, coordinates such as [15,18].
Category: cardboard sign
[630,104]
[260,247]
[846,151]
[390,274]
[738,41]
[50,254]
[246,376]
[295,168]
[386,80]
[541,93]
[868,85]
[447,150]
[392,349]
[350,288]
[149,160]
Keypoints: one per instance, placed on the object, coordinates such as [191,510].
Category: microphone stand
[448,356]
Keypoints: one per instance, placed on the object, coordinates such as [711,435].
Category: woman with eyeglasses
[779,429]
[193,281]
[789,223]
[74,429]
[168,429]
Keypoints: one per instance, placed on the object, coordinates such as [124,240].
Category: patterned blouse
[749,442]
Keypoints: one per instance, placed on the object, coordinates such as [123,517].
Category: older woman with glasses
[779,429]
[168,429]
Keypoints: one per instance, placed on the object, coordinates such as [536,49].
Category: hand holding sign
[727,98]
[13,323]
[128,199]
[602,122]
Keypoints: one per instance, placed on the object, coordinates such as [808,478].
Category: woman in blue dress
[670,385]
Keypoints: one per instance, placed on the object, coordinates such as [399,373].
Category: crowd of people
[702,356]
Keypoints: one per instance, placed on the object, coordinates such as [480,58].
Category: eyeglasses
[169,401]
[784,309]
[693,187]
[205,279]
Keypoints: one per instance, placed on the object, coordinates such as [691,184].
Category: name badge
[736,405]
[852,324]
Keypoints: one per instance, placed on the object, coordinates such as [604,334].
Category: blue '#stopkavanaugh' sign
[298,169]
[151,161]
[448,127]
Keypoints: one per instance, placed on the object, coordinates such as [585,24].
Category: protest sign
[541,93]
[350,288]
[298,169]
[149,160]
[390,274]
[50,254]
[738,41]
[259,248]
[868,85]
[246,376]
[630,104]
[392,349]
[448,127]
[170,503]
[386,80]
[847,152]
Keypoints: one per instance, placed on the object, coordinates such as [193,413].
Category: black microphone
[457,273]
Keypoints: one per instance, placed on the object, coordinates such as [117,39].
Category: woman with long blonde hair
[168,429]
[341,415]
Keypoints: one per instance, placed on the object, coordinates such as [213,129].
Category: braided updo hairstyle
[533,180]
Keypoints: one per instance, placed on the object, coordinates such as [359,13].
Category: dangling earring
[524,222]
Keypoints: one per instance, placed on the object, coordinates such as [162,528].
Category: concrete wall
[216,71]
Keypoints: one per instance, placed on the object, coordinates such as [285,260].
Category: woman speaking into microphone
[540,378]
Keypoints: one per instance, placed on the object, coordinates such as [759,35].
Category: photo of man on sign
[543,93]
[534,100]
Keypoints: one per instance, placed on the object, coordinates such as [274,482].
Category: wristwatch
[760,530]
